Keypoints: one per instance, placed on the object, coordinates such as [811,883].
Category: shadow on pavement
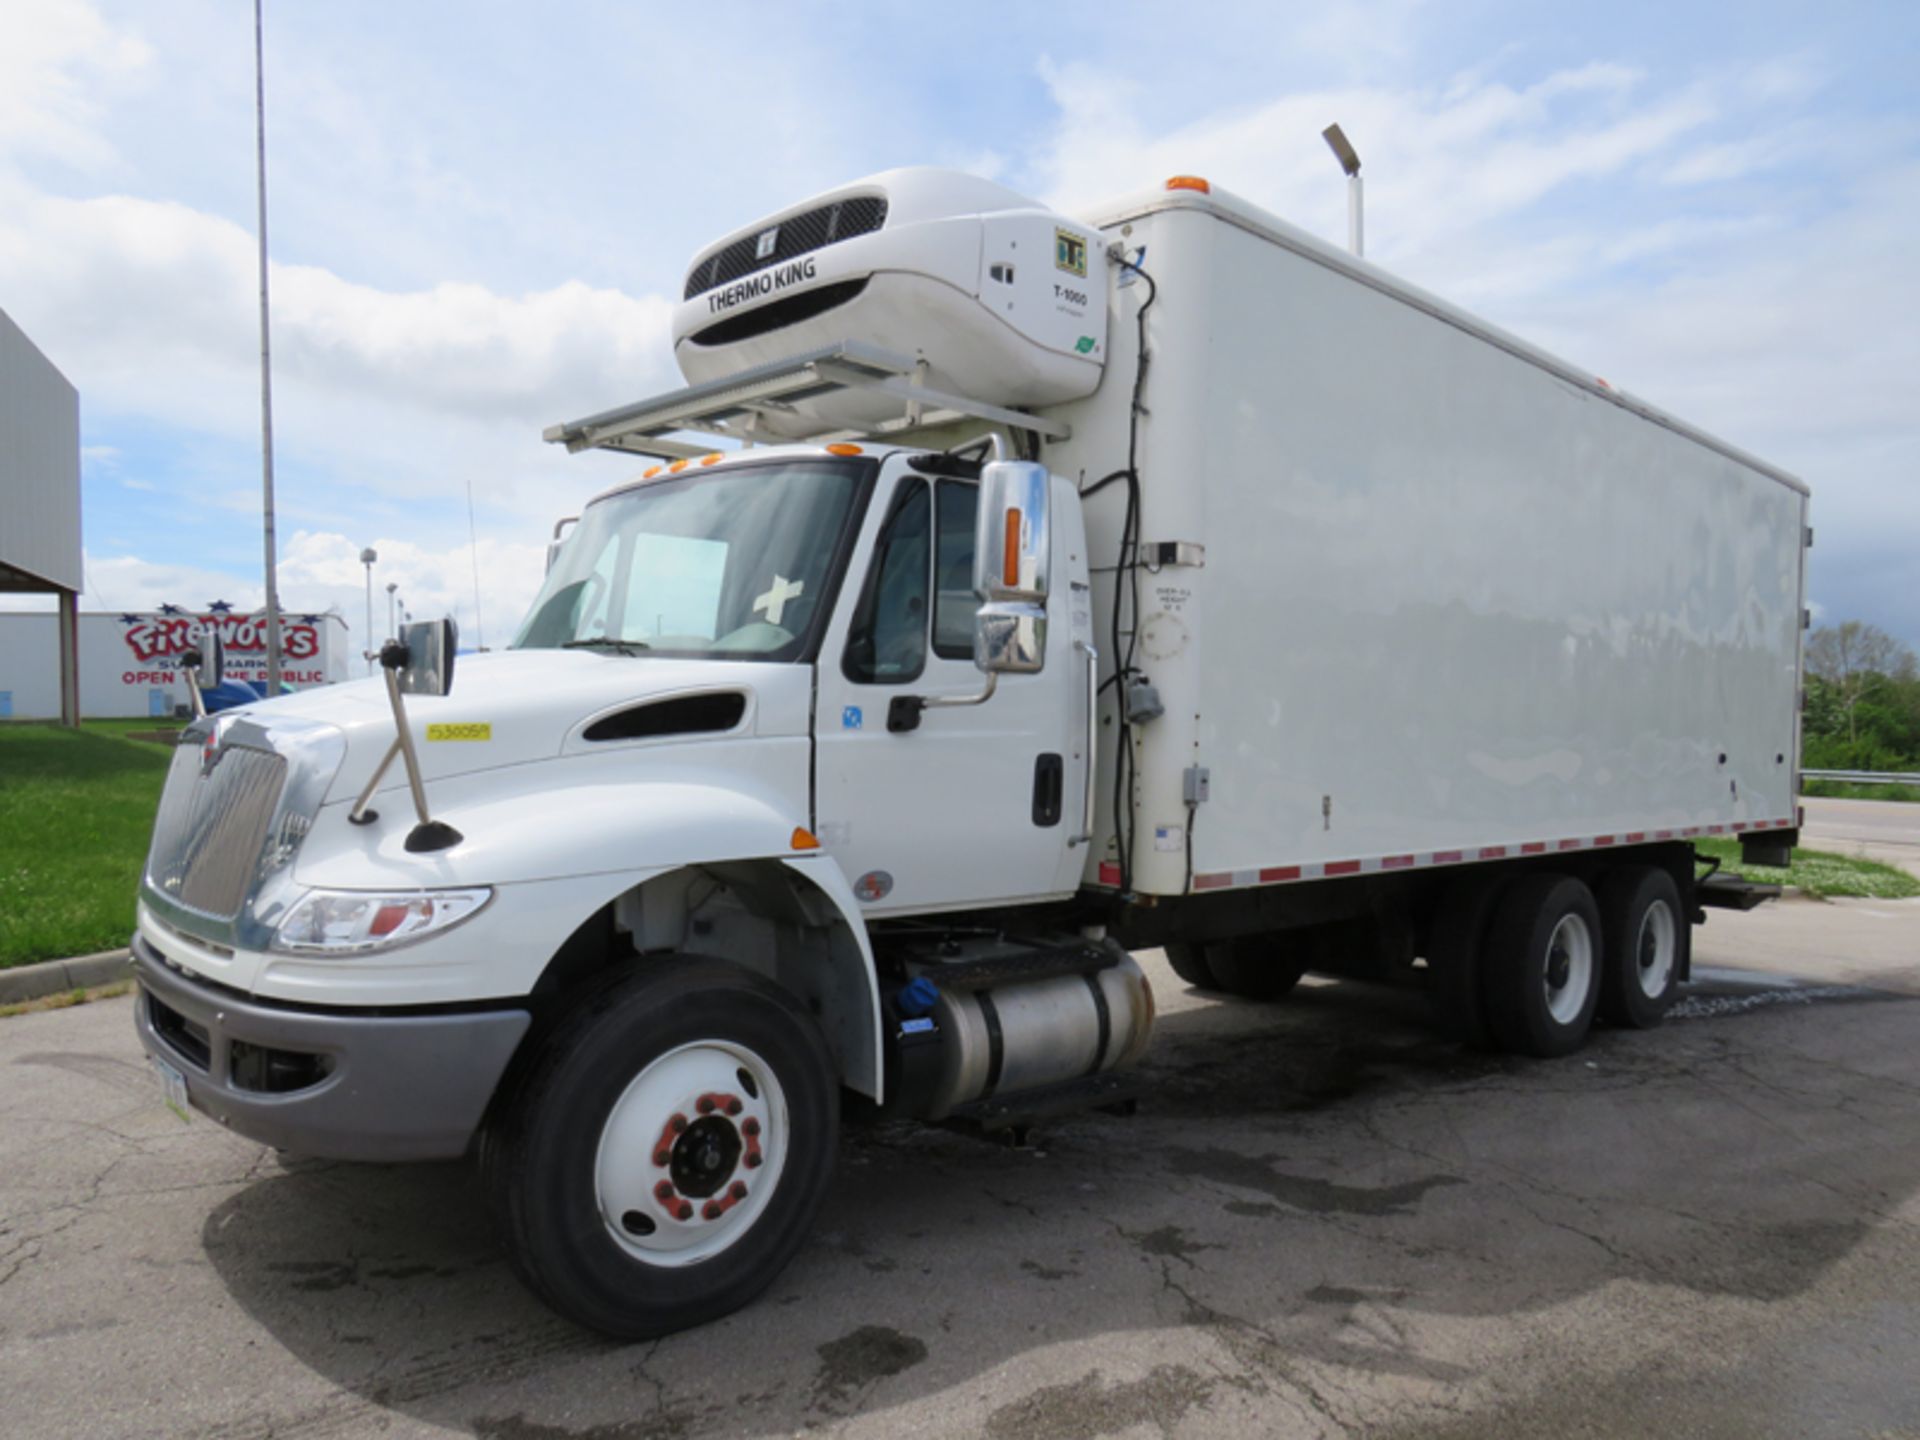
[1304,1184]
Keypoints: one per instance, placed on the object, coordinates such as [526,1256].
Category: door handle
[1093,735]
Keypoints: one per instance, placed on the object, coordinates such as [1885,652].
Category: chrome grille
[212,825]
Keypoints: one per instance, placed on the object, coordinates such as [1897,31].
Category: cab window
[954,604]
[888,642]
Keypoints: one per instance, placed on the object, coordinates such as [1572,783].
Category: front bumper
[329,1083]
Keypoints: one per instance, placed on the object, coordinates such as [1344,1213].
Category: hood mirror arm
[428,834]
[190,663]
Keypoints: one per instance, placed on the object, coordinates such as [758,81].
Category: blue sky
[480,209]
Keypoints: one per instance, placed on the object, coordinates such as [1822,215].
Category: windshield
[732,564]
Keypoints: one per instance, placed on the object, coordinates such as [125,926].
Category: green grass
[1841,790]
[76,813]
[1817,872]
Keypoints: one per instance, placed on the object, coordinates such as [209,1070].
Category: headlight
[349,922]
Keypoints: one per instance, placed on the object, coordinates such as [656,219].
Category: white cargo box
[1413,592]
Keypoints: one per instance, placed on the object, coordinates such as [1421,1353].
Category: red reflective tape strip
[1212,882]
[1634,837]
[1534,847]
[1395,862]
[1569,845]
[1603,840]
[1738,826]
[1109,873]
[1663,834]
[1447,857]
[1341,867]
[1279,872]
[1492,852]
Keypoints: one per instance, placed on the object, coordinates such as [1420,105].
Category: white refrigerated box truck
[1010,590]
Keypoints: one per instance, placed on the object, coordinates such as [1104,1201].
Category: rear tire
[1258,967]
[1455,945]
[601,1213]
[1646,939]
[1189,962]
[1543,966]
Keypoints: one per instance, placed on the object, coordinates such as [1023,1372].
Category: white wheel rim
[1654,948]
[707,1113]
[1570,963]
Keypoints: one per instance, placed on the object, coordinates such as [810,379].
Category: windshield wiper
[606,642]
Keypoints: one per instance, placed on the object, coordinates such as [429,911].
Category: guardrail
[1864,777]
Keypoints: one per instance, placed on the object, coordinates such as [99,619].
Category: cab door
[977,805]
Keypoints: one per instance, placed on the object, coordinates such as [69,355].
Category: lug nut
[750,1127]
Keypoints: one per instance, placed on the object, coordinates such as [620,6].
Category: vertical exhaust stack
[976,289]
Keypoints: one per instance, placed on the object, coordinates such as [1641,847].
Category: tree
[1854,657]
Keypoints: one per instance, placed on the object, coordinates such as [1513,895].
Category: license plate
[173,1086]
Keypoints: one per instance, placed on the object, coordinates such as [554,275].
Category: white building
[40,508]
[130,662]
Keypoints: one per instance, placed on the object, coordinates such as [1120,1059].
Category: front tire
[668,1149]
[1543,966]
[1189,962]
[1646,934]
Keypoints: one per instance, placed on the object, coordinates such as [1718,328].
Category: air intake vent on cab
[804,233]
[682,715]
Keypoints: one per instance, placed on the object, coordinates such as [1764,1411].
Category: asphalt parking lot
[1325,1220]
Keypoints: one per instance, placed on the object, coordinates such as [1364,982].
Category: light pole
[367,557]
[1349,159]
[392,605]
[266,367]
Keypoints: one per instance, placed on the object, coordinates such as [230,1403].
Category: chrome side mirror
[205,666]
[1013,542]
[428,667]
[420,662]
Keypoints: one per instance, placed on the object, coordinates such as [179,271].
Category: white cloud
[55,57]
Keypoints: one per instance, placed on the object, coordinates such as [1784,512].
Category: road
[1878,829]
[1325,1220]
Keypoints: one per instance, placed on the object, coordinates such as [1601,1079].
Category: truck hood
[519,706]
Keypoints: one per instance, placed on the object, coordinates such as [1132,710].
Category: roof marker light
[653,472]
[1190,182]
[845,449]
[713,459]
[677,466]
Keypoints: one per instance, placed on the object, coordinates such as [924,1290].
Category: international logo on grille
[763,247]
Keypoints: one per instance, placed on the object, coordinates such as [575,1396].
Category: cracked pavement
[1325,1220]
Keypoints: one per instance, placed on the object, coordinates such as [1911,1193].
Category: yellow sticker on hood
[468,731]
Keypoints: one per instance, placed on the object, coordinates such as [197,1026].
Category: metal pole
[473,548]
[266,364]
[367,557]
[392,586]
[1355,239]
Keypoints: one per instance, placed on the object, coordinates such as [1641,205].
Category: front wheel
[668,1150]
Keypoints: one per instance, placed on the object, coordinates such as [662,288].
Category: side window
[954,603]
[888,642]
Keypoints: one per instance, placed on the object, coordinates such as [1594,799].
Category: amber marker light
[677,466]
[713,459]
[1190,182]
[845,449]
[804,839]
[1010,557]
